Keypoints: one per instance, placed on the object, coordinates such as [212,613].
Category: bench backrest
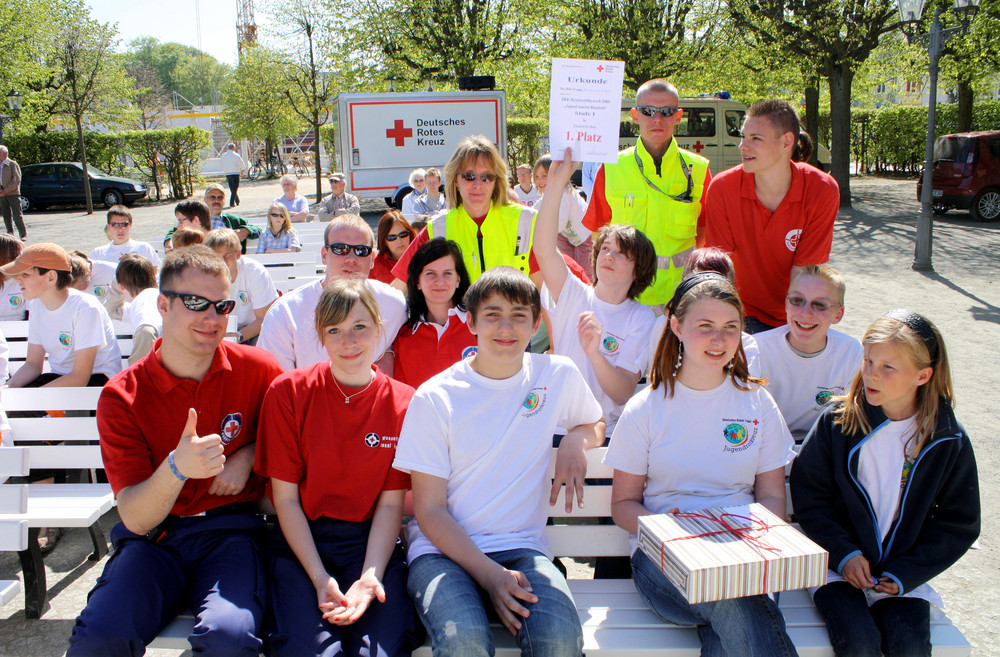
[78,435]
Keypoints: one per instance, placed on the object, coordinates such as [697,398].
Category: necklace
[347,398]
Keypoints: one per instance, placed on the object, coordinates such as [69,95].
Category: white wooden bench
[616,621]
[13,500]
[56,505]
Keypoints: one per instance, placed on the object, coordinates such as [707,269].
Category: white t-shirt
[232,163]
[253,289]
[142,311]
[11,301]
[80,322]
[112,252]
[530,197]
[102,279]
[4,358]
[289,328]
[626,329]
[700,448]
[492,441]
[803,386]
[571,211]
[750,349]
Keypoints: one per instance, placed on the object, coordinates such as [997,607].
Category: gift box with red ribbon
[717,554]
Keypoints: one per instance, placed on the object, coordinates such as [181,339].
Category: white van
[710,127]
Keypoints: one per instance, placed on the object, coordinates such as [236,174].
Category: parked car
[967,174]
[62,182]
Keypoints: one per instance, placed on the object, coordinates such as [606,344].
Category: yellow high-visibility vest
[508,232]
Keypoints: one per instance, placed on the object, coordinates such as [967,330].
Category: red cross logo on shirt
[698,146]
[755,422]
[399,133]
[232,424]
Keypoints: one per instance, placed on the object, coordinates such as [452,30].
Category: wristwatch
[239,337]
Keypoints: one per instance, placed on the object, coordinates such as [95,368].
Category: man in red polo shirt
[178,433]
[773,213]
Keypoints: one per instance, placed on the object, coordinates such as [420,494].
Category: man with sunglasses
[655,186]
[178,432]
[339,202]
[289,328]
[119,229]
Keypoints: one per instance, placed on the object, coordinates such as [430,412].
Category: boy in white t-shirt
[477,441]
[806,362]
[602,329]
[69,328]
[119,229]
[252,287]
[136,277]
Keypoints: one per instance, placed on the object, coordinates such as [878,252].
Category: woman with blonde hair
[279,236]
[490,230]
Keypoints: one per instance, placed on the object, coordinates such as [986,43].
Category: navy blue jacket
[939,515]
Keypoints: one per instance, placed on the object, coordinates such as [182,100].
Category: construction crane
[246,29]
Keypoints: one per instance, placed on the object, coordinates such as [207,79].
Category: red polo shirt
[142,412]
[340,454]
[765,245]
[421,352]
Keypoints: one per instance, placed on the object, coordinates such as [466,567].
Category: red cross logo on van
[697,147]
[399,133]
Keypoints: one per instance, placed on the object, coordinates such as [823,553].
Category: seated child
[477,441]
[807,363]
[136,277]
[887,483]
[252,287]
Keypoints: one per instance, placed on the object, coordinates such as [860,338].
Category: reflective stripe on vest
[507,236]
[670,225]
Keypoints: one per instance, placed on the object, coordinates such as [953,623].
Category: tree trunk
[316,151]
[83,161]
[812,115]
[965,98]
[841,77]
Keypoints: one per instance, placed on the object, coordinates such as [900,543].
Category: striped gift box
[717,554]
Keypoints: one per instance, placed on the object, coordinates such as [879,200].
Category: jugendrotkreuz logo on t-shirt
[535,401]
[244,298]
[65,339]
[231,427]
[824,395]
[610,344]
[100,291]
[739,434]
[16,301]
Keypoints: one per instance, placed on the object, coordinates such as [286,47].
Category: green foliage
[255,103]
[130,153]
[523,135]
[188,71]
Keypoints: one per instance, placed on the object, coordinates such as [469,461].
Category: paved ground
[873,248]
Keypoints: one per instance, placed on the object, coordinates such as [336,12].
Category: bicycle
[299,167]
[274,168]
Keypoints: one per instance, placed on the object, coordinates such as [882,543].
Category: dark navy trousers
[212,565]
[294,625]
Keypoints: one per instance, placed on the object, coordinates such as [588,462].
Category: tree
[92,82]
[653,38]
[838,35]
[255,103]
[150,96]
[310,89]
[970,59]
[443,40]
[194,75]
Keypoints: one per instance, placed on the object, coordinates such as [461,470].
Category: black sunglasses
[468,176]
[818,306]
[201,304]
[341,249]
[650,110]
[392,237]
[124,224]
[276,214]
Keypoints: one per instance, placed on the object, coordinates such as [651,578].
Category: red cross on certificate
[399,133]
[600,68]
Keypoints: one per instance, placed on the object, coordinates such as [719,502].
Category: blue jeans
[752,626]
[234,187]
[456,611]
[896,627]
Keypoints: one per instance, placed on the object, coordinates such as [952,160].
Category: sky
[175,21]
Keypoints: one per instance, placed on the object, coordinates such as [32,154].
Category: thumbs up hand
[199,457]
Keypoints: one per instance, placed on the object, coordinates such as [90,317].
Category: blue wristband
[173,467]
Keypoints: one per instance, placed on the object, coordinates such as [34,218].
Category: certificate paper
[585,108]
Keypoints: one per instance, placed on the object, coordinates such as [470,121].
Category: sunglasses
[200,304]
[276,214]
[124,224]
[818,306]
[416,180]
[392,237]
[468,176]
[650,110]
[341,249]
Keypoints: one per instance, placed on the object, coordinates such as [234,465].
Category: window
[697,122]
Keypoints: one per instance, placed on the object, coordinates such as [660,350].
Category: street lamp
[14,102]
[391,82]
[910,12]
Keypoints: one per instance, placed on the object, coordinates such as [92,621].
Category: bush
[145,154]
[523,135]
